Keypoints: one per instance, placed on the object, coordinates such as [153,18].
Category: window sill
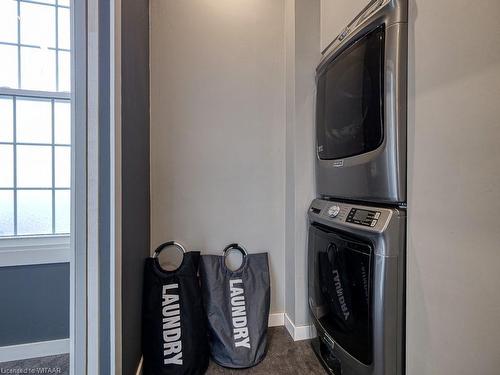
[31,250]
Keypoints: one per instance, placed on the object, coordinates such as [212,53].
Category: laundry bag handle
[234,246]
[163,246]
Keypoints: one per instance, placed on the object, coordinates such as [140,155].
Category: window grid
[57,88]
[50,91]
[18,85]
[15,189]
[21,45]
[53,167]
[14,139]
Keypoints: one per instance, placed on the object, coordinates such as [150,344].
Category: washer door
[340,283]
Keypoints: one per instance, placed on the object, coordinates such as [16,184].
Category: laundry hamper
[174,334]
[237,307]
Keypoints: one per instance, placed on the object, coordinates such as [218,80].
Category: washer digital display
[363,217]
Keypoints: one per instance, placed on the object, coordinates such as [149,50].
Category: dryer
[361,105]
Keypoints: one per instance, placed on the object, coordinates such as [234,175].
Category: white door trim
[93,36]
[78,242]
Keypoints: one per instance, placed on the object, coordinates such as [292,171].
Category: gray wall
[135,173]
[302,56]
[34,303]
[454,188]
[335,15]
[218,127]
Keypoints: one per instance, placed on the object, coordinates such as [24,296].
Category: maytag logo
[340,294]
[338,163]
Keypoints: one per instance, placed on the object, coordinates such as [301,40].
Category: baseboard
[299,332]
[276,320]
[33,350]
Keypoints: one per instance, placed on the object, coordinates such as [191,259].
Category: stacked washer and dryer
[357,233]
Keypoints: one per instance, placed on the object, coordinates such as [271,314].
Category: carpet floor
[284,356]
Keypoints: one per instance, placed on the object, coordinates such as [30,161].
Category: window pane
[34,212]
[6,166]
[63,199]
[38,25]
[34,166]
[6,212]
[64,28]
[62,122]
[38,69]
[63,2]
[8,66]
[8,21]
[64,71]
[34,121]
[6,119]
[62,166]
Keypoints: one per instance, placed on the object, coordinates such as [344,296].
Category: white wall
[453,323]
[218,127]
[335,15]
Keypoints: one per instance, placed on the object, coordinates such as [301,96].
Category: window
[35,117]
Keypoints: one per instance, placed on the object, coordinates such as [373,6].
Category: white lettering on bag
[239,314]
[172,345]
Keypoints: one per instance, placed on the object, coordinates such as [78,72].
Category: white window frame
[20,250]
[29,250]
[52,244]
[81,246]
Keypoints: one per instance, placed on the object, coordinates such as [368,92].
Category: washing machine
[356,284]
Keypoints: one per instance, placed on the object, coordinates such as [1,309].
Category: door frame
[78,257]
[88,275]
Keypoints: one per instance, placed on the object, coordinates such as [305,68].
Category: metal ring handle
[235,246]
[163,246]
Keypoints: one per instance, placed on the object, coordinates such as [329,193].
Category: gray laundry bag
[237,307]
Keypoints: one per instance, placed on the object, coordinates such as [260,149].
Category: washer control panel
[350,215]
[333,211]
[336,211]
[368,218]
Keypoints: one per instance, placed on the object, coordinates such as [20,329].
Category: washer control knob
[333,211]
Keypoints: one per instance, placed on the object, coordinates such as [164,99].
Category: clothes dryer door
[350,100]
[340,279]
